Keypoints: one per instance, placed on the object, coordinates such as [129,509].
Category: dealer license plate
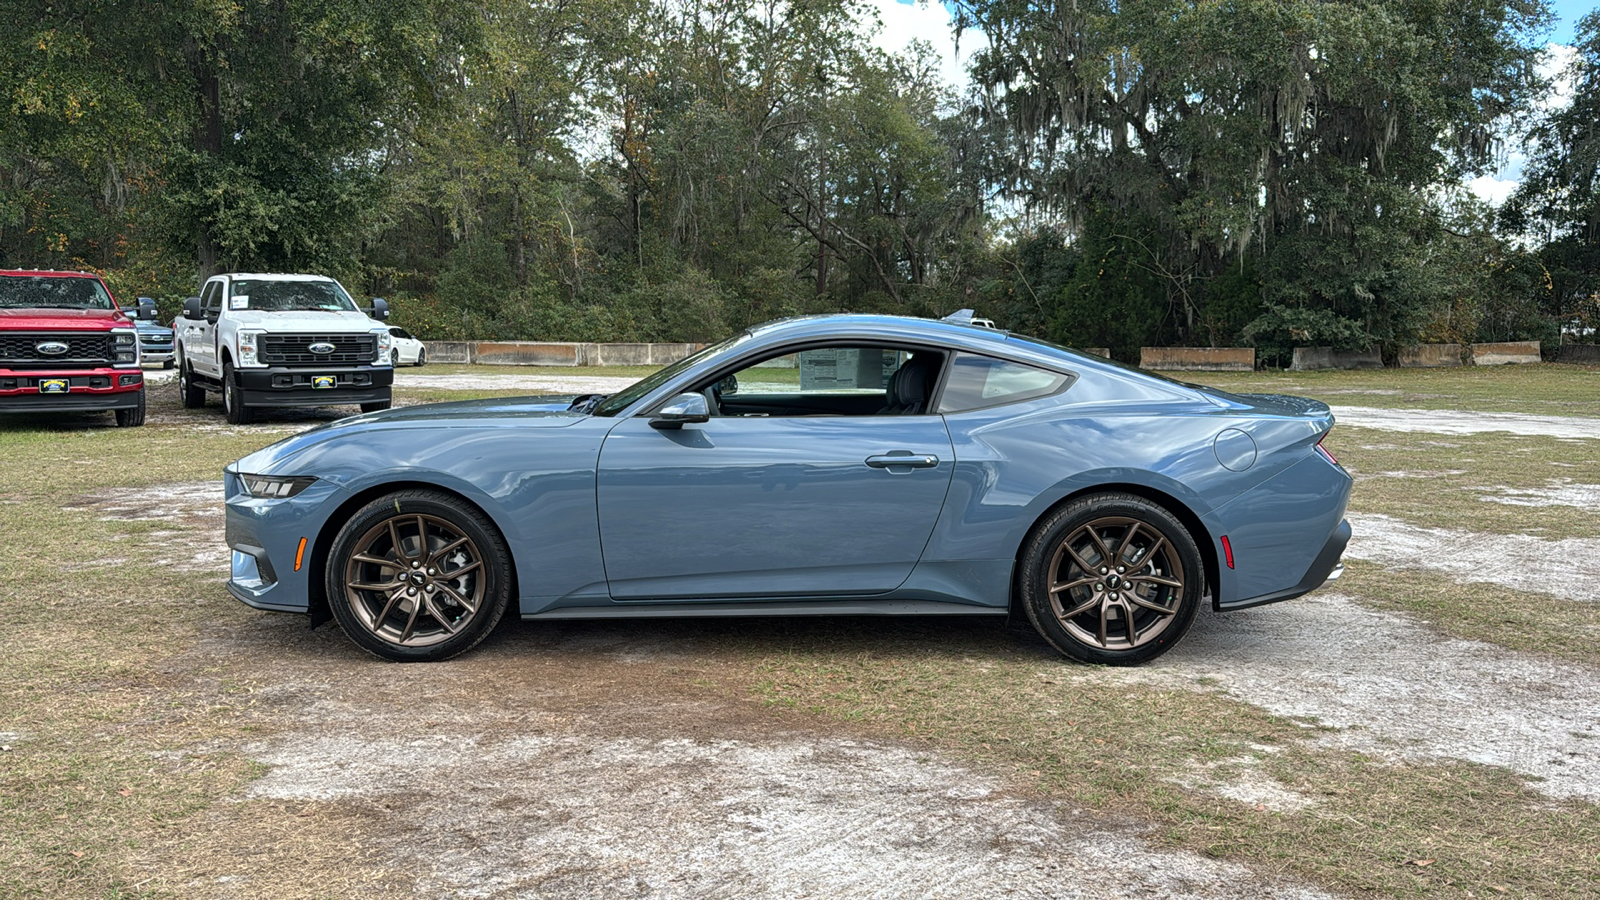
[54,386]
[324,381]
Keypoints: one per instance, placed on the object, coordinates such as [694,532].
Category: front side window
[830,381]
[977,382]
[211,297]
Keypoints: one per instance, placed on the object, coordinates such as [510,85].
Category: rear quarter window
[977,382]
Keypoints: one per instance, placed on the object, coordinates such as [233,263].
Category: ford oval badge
[321,347]
[50,348]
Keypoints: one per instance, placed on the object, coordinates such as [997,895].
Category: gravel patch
[1395,689]
[1556,492]
[1567,568]
[578,816]
[1455,421]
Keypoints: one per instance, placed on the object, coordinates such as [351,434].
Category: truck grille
[295,349]
[21,351]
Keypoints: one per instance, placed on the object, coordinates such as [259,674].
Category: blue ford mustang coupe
[836,465]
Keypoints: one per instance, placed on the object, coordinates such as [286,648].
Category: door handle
[902,458]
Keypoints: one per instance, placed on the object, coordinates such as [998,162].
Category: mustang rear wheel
[415,576]
[1111,579]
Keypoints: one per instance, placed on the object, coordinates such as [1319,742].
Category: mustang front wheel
[1111,579]
[416,576]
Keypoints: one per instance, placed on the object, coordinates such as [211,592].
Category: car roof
[277,276]
[48,273]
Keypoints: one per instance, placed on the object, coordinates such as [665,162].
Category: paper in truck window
[239,301]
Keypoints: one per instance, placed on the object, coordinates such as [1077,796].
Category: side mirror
[684,408]
[191,309]
[380,309]
[146,309]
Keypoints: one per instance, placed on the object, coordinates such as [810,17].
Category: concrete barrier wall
[449,351]
[1430,356]
[1327,358]
[556,353]
[1102,352]
[1505,353]
[1582,354]
[1198,359]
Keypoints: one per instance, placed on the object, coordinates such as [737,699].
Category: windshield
[47,292]
[626,397]
[285,296]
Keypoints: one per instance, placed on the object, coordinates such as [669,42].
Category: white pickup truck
[281,340]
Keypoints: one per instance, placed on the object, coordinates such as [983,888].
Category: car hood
[541,411]
[62,319]
[304,320]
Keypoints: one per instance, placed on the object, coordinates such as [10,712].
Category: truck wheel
[166,364]
[375,405]
[190,395]
[232,403]
[128,418]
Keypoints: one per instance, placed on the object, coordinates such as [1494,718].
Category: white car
[408,350]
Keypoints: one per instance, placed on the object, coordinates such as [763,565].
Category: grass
[121,725]
[1549,389]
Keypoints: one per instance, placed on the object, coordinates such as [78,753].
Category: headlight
[247,348]
[385,345]
[125,347]
[275,487]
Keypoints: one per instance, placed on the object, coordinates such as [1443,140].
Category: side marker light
[1227,551]
[300,555]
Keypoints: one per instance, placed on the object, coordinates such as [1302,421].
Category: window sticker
[239,301]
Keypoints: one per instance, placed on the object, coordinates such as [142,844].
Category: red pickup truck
[65,346]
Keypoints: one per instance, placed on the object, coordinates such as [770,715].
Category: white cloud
[929,22]
[1495,188]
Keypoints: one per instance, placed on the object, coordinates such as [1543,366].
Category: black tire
[452,610]
[190,395]
[422,357]
[131,418]
[166,364]
[1099,563]
[232,400]
[376,405]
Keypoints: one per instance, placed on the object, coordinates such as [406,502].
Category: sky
[907,20]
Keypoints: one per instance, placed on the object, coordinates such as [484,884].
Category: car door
[766,506]
[199,335]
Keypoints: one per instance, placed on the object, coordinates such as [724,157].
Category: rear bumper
[88,390]
[1328,566]
[280,386]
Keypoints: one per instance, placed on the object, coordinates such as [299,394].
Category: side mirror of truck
[191,309]
[380,309]
[146,309]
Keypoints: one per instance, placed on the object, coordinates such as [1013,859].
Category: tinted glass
[976,382]
[42,292]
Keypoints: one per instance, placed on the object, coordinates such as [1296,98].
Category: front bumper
[282,386]
[89,390]
[270,568]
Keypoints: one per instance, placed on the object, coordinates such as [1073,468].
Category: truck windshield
[52,292]
[283,296]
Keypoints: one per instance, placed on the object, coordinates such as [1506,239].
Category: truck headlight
[247,348]
[385,346]
[276,487]
[125,347]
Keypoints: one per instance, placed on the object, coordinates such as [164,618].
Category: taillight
[1324,450]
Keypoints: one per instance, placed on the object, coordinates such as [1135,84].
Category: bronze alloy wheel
[1116,583]
[418,575]
[1112,578]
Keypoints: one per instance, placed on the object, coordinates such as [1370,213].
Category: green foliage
[1276,332]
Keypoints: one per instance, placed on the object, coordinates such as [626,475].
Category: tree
[1558,203]
[1302,140]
